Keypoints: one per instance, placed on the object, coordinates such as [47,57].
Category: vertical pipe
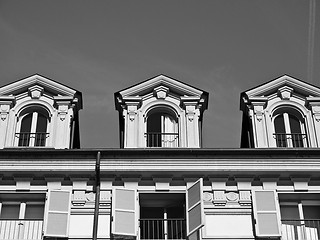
[97,199]
[165,222]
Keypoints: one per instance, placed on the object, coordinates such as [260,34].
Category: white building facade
[160,184]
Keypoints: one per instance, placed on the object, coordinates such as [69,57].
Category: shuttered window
[124,212]
[57,213]
[195,214]
[266,213]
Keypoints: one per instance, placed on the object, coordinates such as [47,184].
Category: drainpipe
[97,199]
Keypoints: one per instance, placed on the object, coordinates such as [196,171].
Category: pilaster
[314,105]
[258,121]
[5,105]
[131,121]
[190,105]
[63,121]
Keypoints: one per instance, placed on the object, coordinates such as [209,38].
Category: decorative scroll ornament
[62,112]
[190,116]
[4,112]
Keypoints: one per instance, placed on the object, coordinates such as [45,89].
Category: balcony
[165,140]
[297,140]
[21,229]
[301,229]
[27,139]
[162,229]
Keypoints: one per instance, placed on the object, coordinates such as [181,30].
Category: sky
[100,47]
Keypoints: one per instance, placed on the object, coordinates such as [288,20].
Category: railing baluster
[20,229]
[162,139]
[39,139]
[155,229]
[292,140]
[308,229]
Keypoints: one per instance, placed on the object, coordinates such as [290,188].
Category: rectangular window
[21,216]
[162,215]
[300,216]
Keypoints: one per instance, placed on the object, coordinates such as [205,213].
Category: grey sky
[99,47]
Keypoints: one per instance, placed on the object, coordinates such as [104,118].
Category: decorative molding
[300,183]
[161,92]
[162,183]
[35,91]
[285,92]
[244,198]
[314,104]
[105,197]
[6,102]
[207,197]
[232,197]
[23,183]
[79,197]
[219,198]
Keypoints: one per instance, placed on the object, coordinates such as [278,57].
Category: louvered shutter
[266,213]
[124,212]
[195,214]
[57,213]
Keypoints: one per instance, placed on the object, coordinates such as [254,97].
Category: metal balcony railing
[21,229]
[291,140]
[27,139]
[155,139]
[162,229]
[306,229]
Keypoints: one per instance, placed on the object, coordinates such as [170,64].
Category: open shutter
[56,221]
[124,212]
[195,214]
[266,213]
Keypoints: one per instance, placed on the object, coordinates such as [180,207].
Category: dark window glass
[279,124]
[24,137]
[26,124]
[294,124]
[41,124]
[10,211]
[40,136]
[154,130]
[280,136]
[311,212]
[289,212]
[34,211]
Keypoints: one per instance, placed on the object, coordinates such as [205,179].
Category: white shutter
[124,212]
[195,213]
[266,213]
[57,213]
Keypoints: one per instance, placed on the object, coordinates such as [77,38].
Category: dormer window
[162,130]
[33,129]
[289,131]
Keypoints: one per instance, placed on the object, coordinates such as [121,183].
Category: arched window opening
[33,129]
[162,130]
[289,131]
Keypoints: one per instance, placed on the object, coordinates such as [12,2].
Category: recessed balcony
[162,229]
[303,229]
[21,229]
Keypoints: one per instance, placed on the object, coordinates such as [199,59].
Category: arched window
[289,130]
[162,130]
[33,129]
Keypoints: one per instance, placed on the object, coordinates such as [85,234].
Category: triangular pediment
[37,82]
[174,86]
[299,87]
[49,85]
